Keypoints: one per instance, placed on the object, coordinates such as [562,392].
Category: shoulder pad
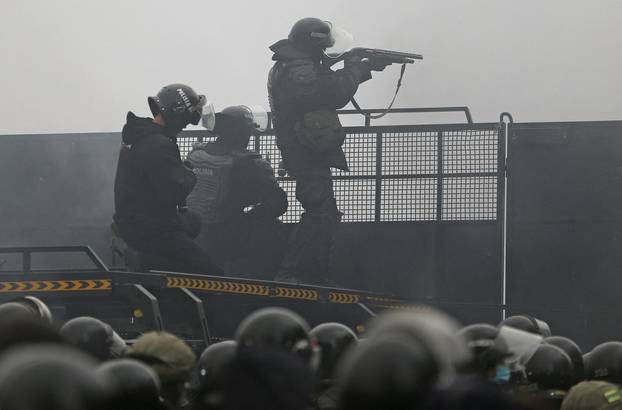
[302,72]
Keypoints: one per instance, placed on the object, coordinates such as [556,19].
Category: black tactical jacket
[242,179]
[151,179]
[298,83]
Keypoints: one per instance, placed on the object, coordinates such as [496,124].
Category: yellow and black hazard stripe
[383,300]
[56,286]
[294,293]
[345,298]
[218,286]
[403,306]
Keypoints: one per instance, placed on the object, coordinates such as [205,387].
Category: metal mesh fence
[399,174]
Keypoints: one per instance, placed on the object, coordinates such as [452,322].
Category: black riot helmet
[550,368]
[387,372]
[214,367]
[276,328]
[179,105]
[604,362]
[38,307]
[132,384]
[17,310]
[50,377]
[95,337]
[487,347]
[333,339]
[311,35]
[528,324]
[21,327]
[436,331]
[573,351]
[214,361]
[234,125]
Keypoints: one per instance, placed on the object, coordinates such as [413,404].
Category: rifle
[393,57]
[387,56]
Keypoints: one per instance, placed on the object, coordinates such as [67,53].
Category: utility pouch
[321,131]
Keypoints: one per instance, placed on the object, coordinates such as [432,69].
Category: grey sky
[79,65]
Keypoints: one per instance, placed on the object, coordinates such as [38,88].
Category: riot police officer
[237,196]
[304,96]
[94,337]
[334,340]
[152,184]
[132,385]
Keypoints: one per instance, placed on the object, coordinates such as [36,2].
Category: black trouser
[245,247]
[169,248]
[311,243]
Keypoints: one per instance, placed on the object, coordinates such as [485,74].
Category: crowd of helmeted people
[410,359]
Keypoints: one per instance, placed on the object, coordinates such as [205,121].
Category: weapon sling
[385,112]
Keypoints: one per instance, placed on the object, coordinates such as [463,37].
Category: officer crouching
[237,196]
[152,183]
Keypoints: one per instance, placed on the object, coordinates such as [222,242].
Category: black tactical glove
[357,65]
[376,64]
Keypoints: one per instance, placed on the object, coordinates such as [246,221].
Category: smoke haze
[78,66]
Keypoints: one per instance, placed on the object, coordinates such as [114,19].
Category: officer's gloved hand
[352,61]
[358,65]
[375,64]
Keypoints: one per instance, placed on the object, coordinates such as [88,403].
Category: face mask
[503,375]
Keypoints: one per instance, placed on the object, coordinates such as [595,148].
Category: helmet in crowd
[550,368]
[604,362]
[269,379]
[95,337]
[133,385]
[171,358]
[333,339]
[213,368]
[387,372]
[593,395]
[311,34]
[179,105]
[37,305]
[573,351]
[168,355]
[436,331]
[528,324]
[26,306]
[24,328]
[54,377]
[276,328]
[16,310]
[214,360]
[487,347]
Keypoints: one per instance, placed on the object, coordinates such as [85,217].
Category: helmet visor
[522,344]
[195,110]
[208,116]
[259,117]
[341,40]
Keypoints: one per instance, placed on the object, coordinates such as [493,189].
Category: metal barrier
[443,173]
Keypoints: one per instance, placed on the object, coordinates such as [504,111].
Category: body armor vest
[208,196]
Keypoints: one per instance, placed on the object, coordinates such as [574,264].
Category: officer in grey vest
[238,196]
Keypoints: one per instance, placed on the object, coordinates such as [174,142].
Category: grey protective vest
[208,196]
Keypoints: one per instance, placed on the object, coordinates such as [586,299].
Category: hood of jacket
[137,128]
[285,50]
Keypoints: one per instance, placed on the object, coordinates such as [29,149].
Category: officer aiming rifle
[341,51]
[305,93]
